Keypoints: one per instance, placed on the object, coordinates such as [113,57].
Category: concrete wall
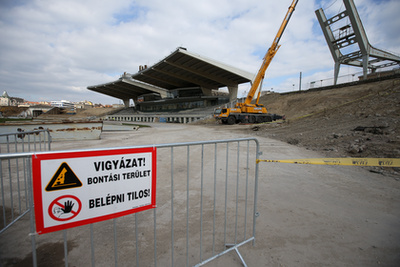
[156,118]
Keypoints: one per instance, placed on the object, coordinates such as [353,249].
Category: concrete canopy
[184,69]
[126,88]
[181,69]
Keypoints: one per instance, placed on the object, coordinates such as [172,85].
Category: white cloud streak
[53,50]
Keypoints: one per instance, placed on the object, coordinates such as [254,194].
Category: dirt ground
[310,215]
[356,121]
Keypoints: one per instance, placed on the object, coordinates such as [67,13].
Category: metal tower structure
[343,32]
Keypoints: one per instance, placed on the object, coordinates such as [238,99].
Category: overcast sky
[53,50]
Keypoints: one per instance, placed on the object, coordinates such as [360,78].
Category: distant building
[6,100]
[36,110]
[63,104]
[32,103]
[84,105]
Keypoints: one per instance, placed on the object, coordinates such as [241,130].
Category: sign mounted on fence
[77,188]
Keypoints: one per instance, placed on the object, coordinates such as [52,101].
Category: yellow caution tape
[380,162]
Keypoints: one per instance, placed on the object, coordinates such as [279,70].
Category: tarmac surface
[310,215]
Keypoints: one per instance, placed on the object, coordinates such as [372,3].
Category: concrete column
[233,91]
[126,102]
[206,91]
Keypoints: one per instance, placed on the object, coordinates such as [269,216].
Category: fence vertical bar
[137,240]
[115,242]
[92,243]
[65,248]
[3,201]
[10,178]
[255,213]
[201,201]
[48,139]
[34,142]
[29,143]
[18,182]
[247,188]
[22,144]
[187,204]
[226,188]
[32,218]
[155,236]
[215,195]
[40,141]
[237,190]
[172,206]
[25,177]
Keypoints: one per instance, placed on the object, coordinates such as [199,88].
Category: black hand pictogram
[67,206]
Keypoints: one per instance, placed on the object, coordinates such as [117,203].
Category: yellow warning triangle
[64,178]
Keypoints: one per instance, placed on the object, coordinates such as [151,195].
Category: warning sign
[77,188]
[64,178]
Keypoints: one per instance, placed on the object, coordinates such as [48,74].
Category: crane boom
[269,55]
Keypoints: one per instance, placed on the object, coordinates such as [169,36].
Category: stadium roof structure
[181,69]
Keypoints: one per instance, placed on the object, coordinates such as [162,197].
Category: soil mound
[355,121]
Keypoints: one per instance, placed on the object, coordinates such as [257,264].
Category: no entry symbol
[65,208]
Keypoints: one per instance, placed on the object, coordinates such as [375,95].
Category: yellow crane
[246,111]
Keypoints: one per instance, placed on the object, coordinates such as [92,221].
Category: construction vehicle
[246,112]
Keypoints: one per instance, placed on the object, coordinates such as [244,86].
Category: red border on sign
[37,185]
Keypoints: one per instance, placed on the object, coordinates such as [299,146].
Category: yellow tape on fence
[381,162]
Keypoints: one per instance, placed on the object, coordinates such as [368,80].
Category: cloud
[53,50]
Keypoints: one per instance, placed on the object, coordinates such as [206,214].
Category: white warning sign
[77,188]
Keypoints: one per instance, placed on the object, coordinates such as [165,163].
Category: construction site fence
[25,141]
[206,208]
[15,172]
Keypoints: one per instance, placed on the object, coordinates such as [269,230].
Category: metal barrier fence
[206,207]
[36,140]
[15,172]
